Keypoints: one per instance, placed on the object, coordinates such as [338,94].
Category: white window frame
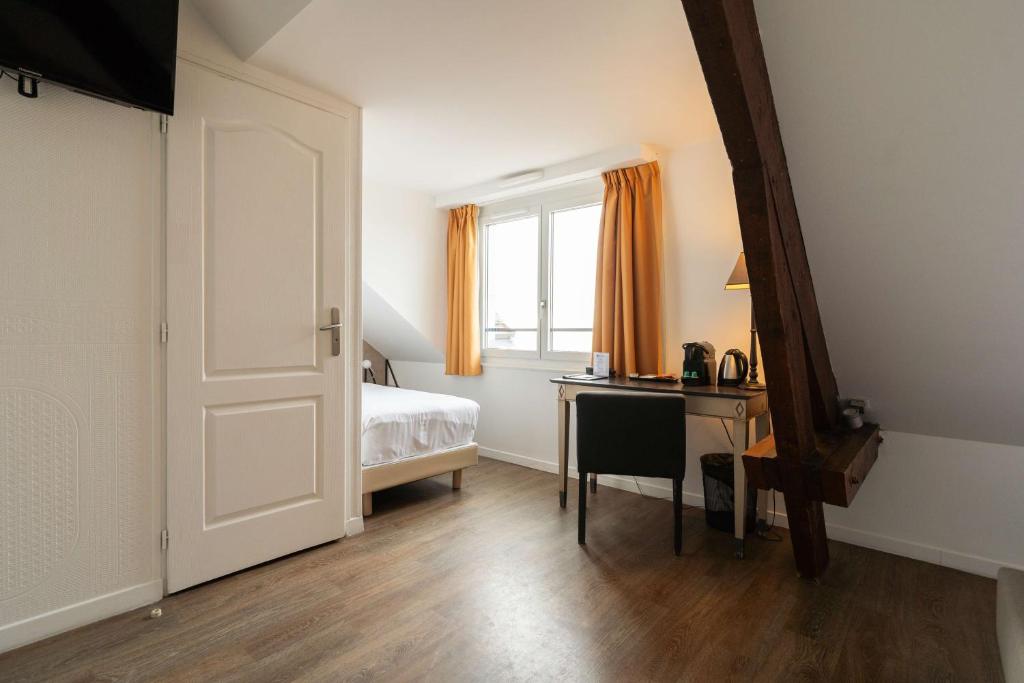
[497,214]
[542,205]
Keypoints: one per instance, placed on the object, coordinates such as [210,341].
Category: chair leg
[677,510]
[593,483]
[583,509]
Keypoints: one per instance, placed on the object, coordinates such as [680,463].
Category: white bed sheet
[402,423]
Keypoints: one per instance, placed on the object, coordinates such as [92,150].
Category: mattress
[402,423]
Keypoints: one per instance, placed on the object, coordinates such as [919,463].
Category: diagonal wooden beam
[775,306]
[802,386]
[775,309]
[729,47]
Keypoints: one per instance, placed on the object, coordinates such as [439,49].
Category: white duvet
[401,423]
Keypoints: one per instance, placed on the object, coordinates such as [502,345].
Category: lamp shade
[738,278]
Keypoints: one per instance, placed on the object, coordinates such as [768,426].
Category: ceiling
[905,143]
[457,92]
[902,132]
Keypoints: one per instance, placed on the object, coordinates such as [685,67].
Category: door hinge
[165,539]
[163,124]
[163,333]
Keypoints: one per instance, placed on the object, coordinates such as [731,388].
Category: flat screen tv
[119,50]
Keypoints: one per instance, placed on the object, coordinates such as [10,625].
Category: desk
[739,406]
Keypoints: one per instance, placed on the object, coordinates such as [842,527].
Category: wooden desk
[739,406]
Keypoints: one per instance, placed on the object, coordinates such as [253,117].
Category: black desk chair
[635,434]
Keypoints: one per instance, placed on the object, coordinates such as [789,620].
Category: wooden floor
[489,584]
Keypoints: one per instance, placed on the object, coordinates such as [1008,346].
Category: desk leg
[762,427]
[563,449]
[739,481]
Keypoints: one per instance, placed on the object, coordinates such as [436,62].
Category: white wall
[702,241]
[391,334]
[79,277]
[942,500]
[948,501]
[902,127]
[404,261]
[81,297]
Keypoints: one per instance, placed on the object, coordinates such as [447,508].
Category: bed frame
[379,477]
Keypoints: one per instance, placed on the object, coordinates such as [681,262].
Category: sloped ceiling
[391,334]
[246,25]
[903,123]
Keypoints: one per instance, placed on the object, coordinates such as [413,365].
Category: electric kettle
[733,370]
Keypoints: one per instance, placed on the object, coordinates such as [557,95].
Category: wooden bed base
[379,477]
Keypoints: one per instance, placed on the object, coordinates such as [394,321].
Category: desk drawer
[833,475]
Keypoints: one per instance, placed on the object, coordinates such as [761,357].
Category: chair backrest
[631,433]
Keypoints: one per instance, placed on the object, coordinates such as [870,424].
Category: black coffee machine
[698,364]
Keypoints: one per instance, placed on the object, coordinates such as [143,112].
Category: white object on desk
[601,364]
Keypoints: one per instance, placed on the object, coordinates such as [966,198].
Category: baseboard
[610,480]
[354,526]
[972,564]
[66,618]
[965,562]
[515,459]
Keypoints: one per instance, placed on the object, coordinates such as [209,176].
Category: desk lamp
[740,280]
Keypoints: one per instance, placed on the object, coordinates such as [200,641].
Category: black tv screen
[120,50]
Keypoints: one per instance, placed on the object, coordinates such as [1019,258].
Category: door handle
[335,329]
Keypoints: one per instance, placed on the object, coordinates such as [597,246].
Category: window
[539,259]
[511,311]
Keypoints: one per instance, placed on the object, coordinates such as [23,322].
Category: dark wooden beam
[803,393]
[782,341]
[729,47]
[775,308]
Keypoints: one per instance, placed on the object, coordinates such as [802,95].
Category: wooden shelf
[833,474]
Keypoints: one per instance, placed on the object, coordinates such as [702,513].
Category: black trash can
[716,469]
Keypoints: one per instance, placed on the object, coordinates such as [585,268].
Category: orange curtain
[462,350]
[627,300]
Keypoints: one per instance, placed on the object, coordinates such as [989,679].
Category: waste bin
[716,470]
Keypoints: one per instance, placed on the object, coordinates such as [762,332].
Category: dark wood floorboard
[488,583]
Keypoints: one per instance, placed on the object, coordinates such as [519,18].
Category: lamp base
[753,386]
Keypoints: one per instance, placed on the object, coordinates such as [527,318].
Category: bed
[411,435]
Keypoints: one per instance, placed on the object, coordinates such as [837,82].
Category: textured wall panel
[78,215]
[38,487]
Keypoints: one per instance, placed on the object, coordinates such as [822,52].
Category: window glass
[574,235]
[510,309]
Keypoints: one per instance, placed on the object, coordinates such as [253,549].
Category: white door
[257,218]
